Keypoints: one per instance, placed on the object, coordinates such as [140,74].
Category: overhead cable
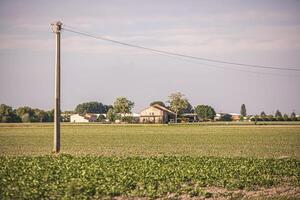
[178,54]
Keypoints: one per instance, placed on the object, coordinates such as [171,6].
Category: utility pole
[56,28]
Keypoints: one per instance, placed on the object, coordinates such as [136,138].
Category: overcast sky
[253,32]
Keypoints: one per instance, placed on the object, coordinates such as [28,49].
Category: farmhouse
[156,114]
[89,117]
[235,116]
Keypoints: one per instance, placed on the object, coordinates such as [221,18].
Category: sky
[252,32]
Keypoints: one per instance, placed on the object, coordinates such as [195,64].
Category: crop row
[65,176]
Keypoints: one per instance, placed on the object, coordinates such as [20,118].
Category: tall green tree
[243,110]
[278,115]
[123,105]
[205,112]
[293,116]
[177,103]
[91,107]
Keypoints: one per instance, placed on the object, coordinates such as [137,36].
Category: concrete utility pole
[56,28]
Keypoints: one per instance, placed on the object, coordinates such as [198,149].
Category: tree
[278,115]
[41,115]
[7,114]
[101,118]
[243,110]
[226,117]
[24,110]
[91,107]
[286,117]
[205,112]
[123,105]
[188,109]
[65,115]
[107,107]
[127,119]
[293,116]
[26,118]
[177,103]
[50,114]
[5,119]
[111,115]
[158,102]
[263,114]
[5,110]
[26,114]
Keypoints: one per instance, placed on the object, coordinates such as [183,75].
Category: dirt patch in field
[215,193]
[261,193]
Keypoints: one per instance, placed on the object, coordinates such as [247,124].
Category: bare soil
[215,193]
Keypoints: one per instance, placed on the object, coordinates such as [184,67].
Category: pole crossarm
[56,26]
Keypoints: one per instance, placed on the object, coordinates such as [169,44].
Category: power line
[221,67]
[177,54]
[201,63]
[226,68]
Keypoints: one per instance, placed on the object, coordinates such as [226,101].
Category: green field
[97,177]
[152,140]
[126,161]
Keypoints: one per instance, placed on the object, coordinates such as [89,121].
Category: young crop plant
[93,177]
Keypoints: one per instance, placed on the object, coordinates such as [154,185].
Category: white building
[234,116]
[130,115]
[134,116]
[83,118]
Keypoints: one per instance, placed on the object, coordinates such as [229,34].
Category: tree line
[276,117]
[122,106]
[24,114]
